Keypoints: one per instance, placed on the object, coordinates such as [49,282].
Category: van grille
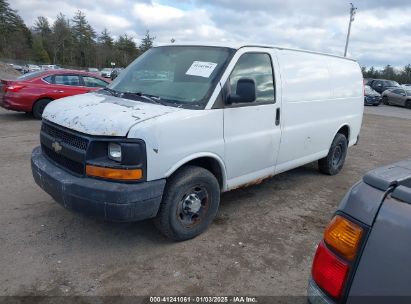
[65,137]
[71,165]
[75,147]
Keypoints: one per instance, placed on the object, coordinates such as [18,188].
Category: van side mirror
[245,92]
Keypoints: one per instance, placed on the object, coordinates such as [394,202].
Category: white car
[106,72]
[49,67]
[226,116]
[28,68]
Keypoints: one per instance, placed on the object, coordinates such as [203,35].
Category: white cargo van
[184,123]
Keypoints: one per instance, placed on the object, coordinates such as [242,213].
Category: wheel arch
[345,130]
[208,161]
[40,98]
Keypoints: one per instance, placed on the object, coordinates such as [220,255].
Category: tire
[385,100]
[334,161]
[190,203]
[408,104]
[39,107]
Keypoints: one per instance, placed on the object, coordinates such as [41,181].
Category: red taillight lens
[13,88]
[329,271]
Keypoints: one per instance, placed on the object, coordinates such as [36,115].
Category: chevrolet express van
[183,123]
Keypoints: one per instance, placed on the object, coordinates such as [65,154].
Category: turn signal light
[113,173]
[343,236]
[329,271]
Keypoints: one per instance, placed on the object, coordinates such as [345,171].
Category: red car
[33,91]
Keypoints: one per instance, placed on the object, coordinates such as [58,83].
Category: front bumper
[97,198]
[372,100]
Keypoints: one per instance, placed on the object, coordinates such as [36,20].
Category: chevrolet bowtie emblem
[57,147]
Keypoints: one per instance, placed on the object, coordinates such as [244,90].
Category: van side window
[256,66]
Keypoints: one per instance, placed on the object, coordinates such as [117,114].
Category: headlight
[114,152]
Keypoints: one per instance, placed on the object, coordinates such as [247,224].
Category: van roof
[238,45]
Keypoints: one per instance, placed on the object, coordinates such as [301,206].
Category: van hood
[100,114]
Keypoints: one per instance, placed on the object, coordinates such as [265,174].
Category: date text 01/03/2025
[200,299]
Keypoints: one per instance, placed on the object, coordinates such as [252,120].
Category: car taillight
[329,271]
[343,236]
[13,88]
[336,254]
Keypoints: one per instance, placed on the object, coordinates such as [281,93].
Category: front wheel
[190,203]
[385,100]
[408,104]
[39,107]
[334,161]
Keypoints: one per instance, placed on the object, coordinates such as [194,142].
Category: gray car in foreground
[365,253]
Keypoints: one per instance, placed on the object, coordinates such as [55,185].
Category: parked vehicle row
[106,72]
[377,91]
[398,96]
[371,97]
[380,85]
[32,92]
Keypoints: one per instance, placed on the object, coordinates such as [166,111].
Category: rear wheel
[189,204]
[408,104]
[334,161]
[39,107]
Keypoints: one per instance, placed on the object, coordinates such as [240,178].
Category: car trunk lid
[397,174]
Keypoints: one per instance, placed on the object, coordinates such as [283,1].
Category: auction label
[201,68]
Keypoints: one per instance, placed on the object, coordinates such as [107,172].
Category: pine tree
[146,42]
[40,53]
[83,35]
[61,40]
[15,37]
[126,50]
[43,31]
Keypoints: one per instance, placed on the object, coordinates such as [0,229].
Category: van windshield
[182,76]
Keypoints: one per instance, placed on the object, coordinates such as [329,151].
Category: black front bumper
[97,198]
[372,100]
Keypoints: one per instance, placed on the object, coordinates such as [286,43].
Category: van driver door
[252,130]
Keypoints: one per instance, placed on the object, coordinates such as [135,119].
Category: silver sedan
[398,97]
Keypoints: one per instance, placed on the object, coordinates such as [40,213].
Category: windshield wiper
[111,91]
[150,98]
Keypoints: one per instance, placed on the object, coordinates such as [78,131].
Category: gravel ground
[390,111]
[7,72]
[261,242]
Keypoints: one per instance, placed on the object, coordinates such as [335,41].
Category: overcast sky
[381,32]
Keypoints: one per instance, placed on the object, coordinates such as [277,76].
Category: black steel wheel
[334,161]
[190,203]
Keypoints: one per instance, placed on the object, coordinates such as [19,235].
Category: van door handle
[277,117]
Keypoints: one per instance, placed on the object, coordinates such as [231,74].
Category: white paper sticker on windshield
[201,68]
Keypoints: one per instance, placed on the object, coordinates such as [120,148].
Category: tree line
[401,76]
[67,42]
[74,42]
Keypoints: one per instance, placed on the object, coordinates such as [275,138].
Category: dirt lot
[7,72]
[261,243]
